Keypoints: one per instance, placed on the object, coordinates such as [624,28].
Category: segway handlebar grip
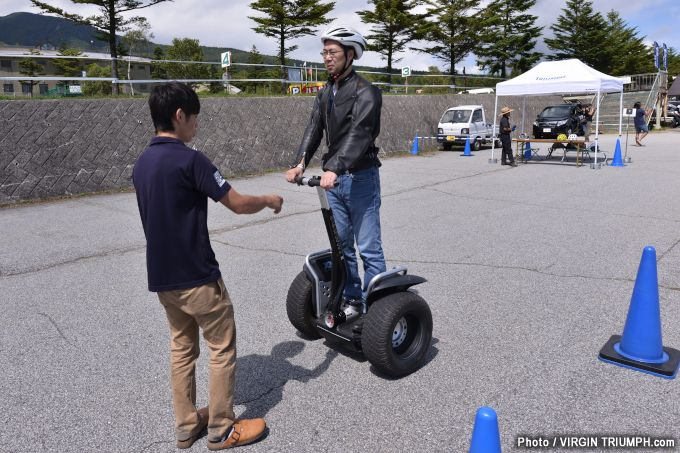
[313,181]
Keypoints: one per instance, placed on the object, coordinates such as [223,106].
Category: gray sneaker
[354,307]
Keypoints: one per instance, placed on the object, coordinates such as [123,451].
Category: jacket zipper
[328,125]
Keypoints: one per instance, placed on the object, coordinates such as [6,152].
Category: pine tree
[289,19]
[580,32]
[68,67]
[110,20]
[255,72]
[509,37]
[451,31]
[394,26]
[30,68]
[673,62]
[627,53]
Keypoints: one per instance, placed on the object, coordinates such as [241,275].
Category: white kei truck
[459,123]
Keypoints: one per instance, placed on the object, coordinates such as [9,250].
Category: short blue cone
[414,148]
[485,435]
[466,151]
[641,346]
[527,151]
[617,161]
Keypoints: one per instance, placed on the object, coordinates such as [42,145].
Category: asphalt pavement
[530,271]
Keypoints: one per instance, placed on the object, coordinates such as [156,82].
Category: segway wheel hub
[400,332]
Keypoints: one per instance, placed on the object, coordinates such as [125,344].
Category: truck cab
[458,124]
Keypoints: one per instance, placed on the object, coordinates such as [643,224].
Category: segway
[394,330]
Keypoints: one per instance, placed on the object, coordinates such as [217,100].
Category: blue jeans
[356,210]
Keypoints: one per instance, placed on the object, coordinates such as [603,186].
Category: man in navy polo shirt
[173,183]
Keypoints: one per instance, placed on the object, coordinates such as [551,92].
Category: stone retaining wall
[60,147]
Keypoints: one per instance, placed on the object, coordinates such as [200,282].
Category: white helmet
[346,36]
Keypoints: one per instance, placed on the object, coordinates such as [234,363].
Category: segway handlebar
[312,181]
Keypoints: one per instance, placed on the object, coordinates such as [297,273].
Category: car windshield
[456,116]
[558,111]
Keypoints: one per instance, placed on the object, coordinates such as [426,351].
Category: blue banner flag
[656,55]
[665,57]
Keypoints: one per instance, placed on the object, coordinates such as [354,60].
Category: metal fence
[257,78]
[269,79]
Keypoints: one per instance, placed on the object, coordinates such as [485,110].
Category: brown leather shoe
[199,431]
[245,432]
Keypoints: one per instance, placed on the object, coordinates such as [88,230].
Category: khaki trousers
[209,308]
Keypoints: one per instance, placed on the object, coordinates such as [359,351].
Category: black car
[558,119]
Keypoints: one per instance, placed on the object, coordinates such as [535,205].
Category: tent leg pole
[493,160]
[595,165]
[627,158]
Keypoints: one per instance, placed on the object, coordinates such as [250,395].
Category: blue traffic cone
[617,161]
[466,151]
[485,435]
[527,151]
[641,347]
[414,148]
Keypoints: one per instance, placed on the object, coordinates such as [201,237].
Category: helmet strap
[345,66]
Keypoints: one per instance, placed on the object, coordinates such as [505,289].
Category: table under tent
[561,77]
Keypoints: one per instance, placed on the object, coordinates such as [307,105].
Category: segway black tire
[381,323]
[299,306]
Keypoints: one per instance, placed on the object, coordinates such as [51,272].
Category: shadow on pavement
[260,378]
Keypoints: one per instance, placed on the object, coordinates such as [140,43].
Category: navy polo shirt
[173,183]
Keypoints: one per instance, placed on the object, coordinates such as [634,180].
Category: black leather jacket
[351,120]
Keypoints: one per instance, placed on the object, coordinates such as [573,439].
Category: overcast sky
[225,23]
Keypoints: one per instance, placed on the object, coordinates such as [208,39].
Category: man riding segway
[383,318]
[348,110]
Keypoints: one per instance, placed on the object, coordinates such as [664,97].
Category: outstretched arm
[250,204]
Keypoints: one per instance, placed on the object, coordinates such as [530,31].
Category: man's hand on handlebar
[328,180]
[293,173]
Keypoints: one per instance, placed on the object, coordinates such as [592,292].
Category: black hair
[637,105]
[166,98]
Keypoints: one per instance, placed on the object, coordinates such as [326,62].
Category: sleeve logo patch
[219,179]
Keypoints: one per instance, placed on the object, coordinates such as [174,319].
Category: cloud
[222,23]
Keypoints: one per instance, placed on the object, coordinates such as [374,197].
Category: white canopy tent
[561,77]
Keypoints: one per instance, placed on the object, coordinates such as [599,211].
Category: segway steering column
[333,315]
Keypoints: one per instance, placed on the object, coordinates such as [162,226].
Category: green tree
[627,53]
[580,32]
[68,67]
[135,42]
[186,49]
[673,62]
[285,20]
[158,69]
[442,80]
[451,31]
[113,18]
[138,41]
[509,36]
[30,68]
[394,25]
[254,72]
[99,88]
[215,72]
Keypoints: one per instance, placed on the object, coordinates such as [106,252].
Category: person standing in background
[506,156]
[640,121]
